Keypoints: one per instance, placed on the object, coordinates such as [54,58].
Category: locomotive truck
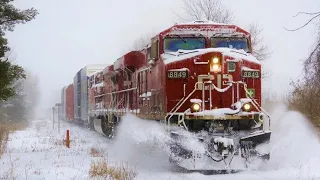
[198,77]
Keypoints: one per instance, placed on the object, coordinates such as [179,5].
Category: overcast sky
[68,34]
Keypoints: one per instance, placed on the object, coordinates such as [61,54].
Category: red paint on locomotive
[139,82]
[70,103]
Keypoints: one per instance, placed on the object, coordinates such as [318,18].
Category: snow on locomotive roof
[205,28]
[205,22]
[184,54]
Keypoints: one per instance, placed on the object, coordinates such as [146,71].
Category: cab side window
[155,49]
[148,53]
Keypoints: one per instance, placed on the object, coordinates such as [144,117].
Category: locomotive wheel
[107,126]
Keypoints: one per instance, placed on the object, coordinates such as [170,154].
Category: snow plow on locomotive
[201,80]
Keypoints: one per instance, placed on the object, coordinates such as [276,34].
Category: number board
[177,74]
[250,74]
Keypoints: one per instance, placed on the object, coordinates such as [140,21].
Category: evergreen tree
[9,72]
[21,107]
[15,109]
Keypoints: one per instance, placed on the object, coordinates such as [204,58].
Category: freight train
[198,77]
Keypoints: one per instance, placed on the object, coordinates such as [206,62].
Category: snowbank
[38,151]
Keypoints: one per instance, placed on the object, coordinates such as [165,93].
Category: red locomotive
[198,76]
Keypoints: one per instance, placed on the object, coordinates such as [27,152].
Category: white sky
[68,34]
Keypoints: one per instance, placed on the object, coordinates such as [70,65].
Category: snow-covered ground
[38,151]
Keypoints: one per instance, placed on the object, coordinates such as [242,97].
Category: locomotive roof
[204,26]
[207,22]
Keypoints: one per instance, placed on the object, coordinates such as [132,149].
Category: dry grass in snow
[101,168]
[5,129]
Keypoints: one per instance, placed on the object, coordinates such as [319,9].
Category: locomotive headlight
[195,107]
[215,67]
[215,60]
[247,106]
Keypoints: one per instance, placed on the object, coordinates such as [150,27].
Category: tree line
[17,86]
[305,94]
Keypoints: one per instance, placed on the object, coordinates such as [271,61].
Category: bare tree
[312,63]
[31,89]
[314,17]
[216,11]
[304,97]
[259,49]
[140,43]
[212,10]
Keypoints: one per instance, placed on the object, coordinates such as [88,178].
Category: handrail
[113,101]
[131,89]
[255,102]
[121,100]
[177,104]
[184,99]
[195,88]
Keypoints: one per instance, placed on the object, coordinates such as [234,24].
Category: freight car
[62,114]
[80,83]
[75,97]
[198,77]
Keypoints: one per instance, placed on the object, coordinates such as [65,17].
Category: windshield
[233,43]
[173,44]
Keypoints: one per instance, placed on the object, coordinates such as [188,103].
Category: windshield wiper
[198,38]
[184,40]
